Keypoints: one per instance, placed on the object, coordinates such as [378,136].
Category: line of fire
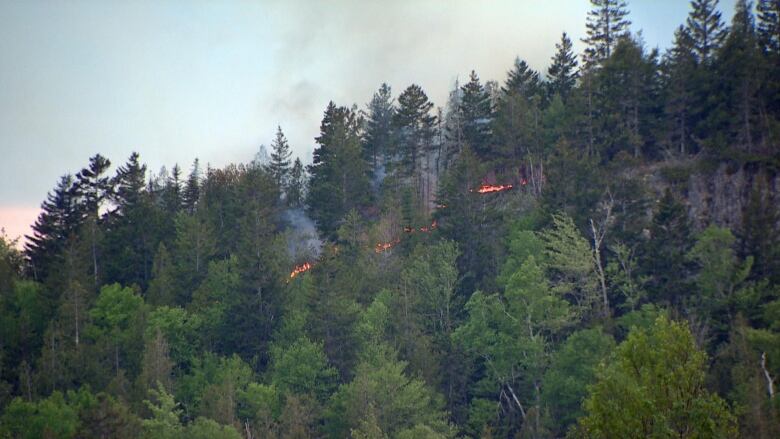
[384,246]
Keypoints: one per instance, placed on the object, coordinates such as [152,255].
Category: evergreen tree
[338,174]
[606,24]
[476,113]
[296,185]
[414,125]
[562,73]
[280,159]
[93,188]
[56,222]
[521,80]
[769,25]
[191,194]
[705,28]
[378,139]
[172,191]
[679,76]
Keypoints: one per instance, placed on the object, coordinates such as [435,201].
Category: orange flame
[306,266]
[488,188]
[382,246]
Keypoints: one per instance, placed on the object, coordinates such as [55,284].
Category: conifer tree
[476,113]
[58,220]
[606,24]
[172,191]
[414,125]
[296,186]
[680,86]
[522,80]
[191,193]
[562,73]
[280,159]
[769,25]
[93,188]
[706,29]
[378,139]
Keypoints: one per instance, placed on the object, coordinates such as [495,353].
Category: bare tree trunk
[770,382]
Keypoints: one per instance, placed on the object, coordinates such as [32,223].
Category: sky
[176,80]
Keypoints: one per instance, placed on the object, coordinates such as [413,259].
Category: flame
[488,188]
[306,266]
[421,229]
[382,246]
[441,206]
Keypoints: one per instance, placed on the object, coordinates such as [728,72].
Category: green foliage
[51,417]
[572,369]
[654,388]
[302,368]
[381,389]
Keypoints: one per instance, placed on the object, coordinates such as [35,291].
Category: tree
[116,317]
[194,246]
[705,28]
[92,189]
[664,258]
[562,73]
[51,417]
[162,289]
[522,80]
[511,336]
[296,186]
[572,369]
[378,139]
[769,25]
[339,175]
[655,388]
[302,368]
[56,222]
[414,127]
[191,193]
[476,112]
[280,159]
[606,24]
[572,261]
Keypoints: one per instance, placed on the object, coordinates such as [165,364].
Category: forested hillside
[591,251]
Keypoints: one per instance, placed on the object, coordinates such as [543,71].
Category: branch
[517,401]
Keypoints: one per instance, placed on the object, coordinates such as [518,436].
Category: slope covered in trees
[591,251]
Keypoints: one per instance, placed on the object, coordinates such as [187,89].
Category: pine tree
[280,159]
[191,194]
[129,184]
[378,139]
[706,29]
[476,114]
[606,24]
[562,73]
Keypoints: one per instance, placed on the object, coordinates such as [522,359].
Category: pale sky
[175,80]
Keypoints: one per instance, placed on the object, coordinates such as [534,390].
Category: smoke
[303,241]
[379,175]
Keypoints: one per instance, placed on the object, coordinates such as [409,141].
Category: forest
[588,251]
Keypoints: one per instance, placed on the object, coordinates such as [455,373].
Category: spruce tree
[705,28]
[93,188]
[296,186]
[57,221]
[562,73]
[172,191]
[191,193]
[606,24]
[378,139]
[476,112]
[280,159]
[414,125]
[522,80]
[679,86]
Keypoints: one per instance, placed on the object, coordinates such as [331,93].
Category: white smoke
[303,241]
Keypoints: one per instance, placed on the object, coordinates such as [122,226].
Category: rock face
[720,197]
